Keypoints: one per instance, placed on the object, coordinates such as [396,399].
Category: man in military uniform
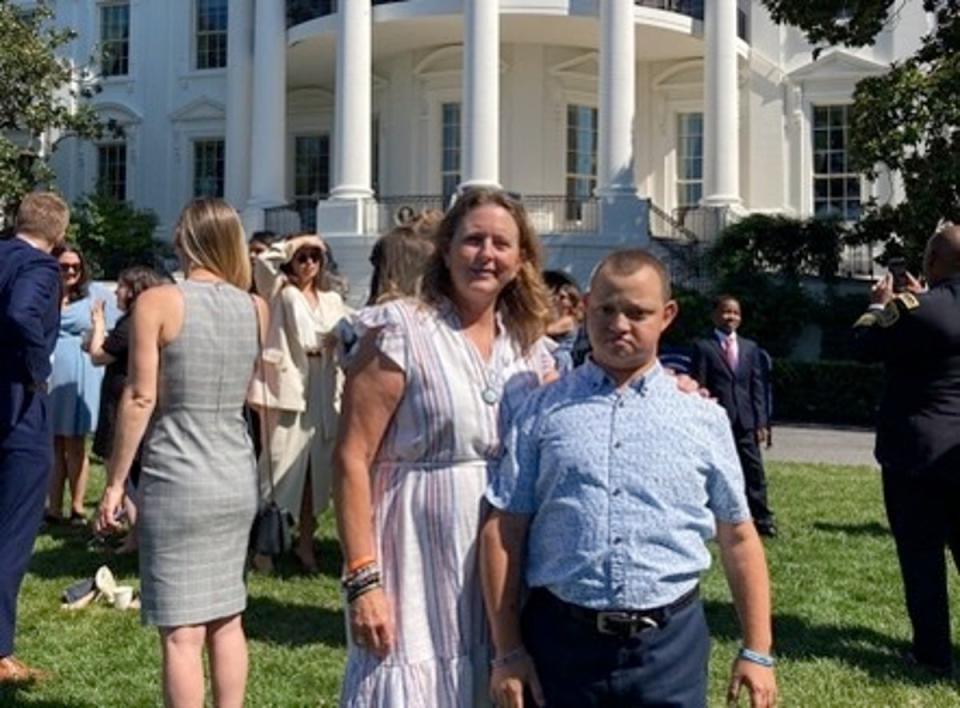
[916,334]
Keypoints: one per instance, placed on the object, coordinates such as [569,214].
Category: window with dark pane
[581,178]
[112,170]
[208,168]
[836,188]
[311,176]
[211,34]
[115,39]
[689,160]
[450,157]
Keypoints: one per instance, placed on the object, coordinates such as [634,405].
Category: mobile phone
[898,269]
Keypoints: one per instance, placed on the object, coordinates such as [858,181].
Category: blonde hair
[43,215]
[209,235]
[524,303]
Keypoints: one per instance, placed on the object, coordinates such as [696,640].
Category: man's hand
[763,435]
[507,682]
[914,285]
[371,623]
[758,680]
[882,291]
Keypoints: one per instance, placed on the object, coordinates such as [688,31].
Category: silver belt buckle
[631,621]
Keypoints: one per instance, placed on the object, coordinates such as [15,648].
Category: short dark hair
[628,261]
[140,278]
[723,298]
[266,237]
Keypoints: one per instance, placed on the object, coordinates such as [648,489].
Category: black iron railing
[695,9]
[299,11]
[305,10]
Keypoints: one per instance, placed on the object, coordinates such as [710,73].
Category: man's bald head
[942,257]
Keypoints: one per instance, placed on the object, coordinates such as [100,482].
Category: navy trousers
[26,457]
[924,518]
[754,476]
[580,668]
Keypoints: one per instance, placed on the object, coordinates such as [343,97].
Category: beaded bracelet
[755,657]
[508,658]
[354,593]
[359,575]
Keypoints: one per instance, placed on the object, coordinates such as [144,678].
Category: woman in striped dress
[431,385]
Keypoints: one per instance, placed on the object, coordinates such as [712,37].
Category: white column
[618,86]
[721,145]
[269,106]
[239,97]
[481,93]
[351,149]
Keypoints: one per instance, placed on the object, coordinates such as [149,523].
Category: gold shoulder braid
[889,315]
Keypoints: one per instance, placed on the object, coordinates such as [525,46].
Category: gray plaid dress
[198,485]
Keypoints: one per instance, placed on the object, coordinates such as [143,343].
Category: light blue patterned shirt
[624,487]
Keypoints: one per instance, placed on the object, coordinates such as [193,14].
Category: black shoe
[938,670]
[766,528]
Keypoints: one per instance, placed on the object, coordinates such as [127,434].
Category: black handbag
[272,531]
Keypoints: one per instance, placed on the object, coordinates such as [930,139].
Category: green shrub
[833,392]
[114,235]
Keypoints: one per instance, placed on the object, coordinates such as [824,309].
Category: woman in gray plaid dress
[193,351]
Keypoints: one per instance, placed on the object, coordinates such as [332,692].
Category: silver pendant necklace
[491,383]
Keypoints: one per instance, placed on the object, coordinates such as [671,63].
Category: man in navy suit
[730,367]
[29,318]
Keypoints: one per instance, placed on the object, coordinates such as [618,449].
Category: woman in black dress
[110,350]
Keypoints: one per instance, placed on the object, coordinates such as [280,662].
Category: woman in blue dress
[74,388]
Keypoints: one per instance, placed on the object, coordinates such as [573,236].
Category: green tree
[114,235]
[907,120]
[43,98]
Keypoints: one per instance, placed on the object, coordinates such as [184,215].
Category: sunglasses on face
[70,267]
[314,256]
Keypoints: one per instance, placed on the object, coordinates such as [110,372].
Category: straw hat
[291,247]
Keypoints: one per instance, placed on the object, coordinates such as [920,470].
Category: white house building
[617,120]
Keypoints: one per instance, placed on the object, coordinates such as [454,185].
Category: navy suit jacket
[740,392]
[29,321]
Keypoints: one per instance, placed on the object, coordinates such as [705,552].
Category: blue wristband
[755,657]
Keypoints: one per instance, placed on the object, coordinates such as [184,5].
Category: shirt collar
[723,336]
[597,378]
[29,242]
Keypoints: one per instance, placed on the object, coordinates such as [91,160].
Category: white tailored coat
[299,396]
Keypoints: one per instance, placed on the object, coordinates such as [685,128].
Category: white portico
[609,30]
[618,121]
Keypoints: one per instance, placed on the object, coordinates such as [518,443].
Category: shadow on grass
[798,639]
[872,529]
[76,559]
[292,625]
[13,696]
[329,560]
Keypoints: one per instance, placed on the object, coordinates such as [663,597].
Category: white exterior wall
[165,104]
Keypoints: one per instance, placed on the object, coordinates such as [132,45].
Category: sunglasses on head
[304,256]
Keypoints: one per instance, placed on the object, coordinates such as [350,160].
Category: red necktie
[730,352]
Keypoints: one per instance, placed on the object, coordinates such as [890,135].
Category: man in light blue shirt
[611,483]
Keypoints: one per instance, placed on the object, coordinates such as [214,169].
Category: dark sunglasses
[71,267]
[315,256]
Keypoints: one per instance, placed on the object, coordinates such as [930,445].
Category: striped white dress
[427,486]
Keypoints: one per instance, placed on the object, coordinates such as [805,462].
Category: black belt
[620,623]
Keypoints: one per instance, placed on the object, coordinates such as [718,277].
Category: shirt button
[621,404]
[619,588]
[617,541]
[616,445]
[616,492]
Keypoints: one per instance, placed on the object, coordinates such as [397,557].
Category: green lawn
[840,624]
